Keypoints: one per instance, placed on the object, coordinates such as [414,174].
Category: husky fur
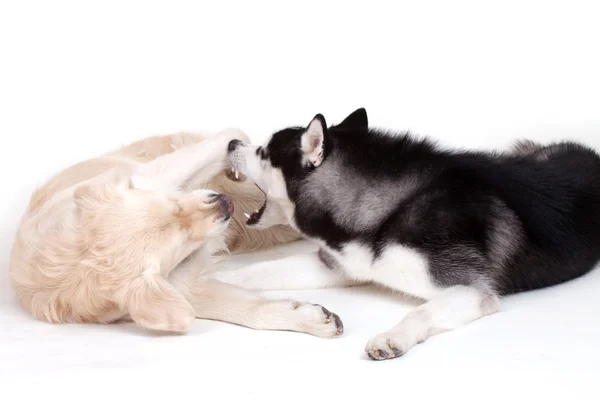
[130,235]
[457,229]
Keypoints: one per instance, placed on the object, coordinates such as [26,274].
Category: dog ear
[313,140]
[357,120]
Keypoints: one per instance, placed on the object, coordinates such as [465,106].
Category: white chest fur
[398,267]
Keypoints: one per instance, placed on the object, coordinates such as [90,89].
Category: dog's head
[288,157]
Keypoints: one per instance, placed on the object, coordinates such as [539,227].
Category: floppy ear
[357,120]
[313,140]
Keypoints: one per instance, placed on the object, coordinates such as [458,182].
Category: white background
[79,78]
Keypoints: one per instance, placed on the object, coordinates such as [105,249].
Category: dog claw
[247,215]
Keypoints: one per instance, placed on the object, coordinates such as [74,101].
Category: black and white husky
[458,229]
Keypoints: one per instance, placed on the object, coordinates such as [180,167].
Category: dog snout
[235,143]
[226,205]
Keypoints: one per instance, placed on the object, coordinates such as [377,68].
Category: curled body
[132,235]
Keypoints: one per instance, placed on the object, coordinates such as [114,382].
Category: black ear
[357,120]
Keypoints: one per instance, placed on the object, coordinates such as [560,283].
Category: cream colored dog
[128,236]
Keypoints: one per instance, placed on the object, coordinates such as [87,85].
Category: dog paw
[203,212]
[196,201]
[318,321]
[388,345]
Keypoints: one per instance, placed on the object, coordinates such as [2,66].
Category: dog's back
[534,213]
[530,216]
[143,150]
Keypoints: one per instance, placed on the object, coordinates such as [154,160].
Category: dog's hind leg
[454,307]
[153,303]
[222,302]
[202,160]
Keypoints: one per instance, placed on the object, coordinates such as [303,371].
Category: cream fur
[127,236]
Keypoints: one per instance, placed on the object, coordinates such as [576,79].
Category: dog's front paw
[388,345]
[196,202]
[200,212]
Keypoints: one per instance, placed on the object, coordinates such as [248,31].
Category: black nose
[233,144]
